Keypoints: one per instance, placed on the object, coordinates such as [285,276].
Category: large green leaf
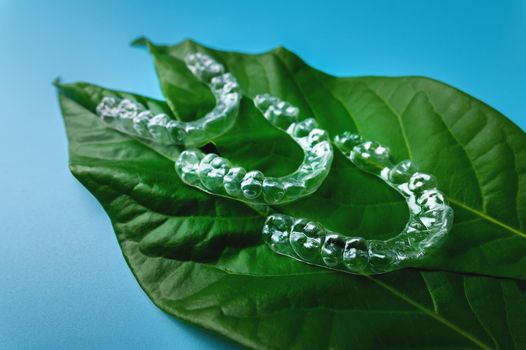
[201,258]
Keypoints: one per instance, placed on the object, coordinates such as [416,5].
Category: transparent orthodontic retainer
[216,175]
[430,219]
[134,119]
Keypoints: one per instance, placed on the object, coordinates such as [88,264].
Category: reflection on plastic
[134,119]
[430,219]
[216,175]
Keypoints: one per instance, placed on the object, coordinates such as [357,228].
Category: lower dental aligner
[216,175]
[134,119]
[430,219]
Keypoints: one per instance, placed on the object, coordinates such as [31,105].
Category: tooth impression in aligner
[430,219]
[253,186]
[131,117]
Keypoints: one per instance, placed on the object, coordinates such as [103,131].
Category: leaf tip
[282,49]
[141,41]
[57,82]
[189,41]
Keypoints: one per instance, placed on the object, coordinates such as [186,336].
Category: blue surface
[63,281]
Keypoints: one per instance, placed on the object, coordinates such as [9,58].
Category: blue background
[63,281]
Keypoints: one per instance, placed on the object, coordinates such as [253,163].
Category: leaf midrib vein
[486,217]
[465,206]
[400,295]
[430,313]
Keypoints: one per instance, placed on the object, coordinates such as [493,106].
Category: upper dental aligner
[133,118]
[430,219]
[216,175]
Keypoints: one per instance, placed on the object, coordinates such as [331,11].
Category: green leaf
[201,258]
[477,155]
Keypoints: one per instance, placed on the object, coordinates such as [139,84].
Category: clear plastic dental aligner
[134,119]
[430,219]
[216,175]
